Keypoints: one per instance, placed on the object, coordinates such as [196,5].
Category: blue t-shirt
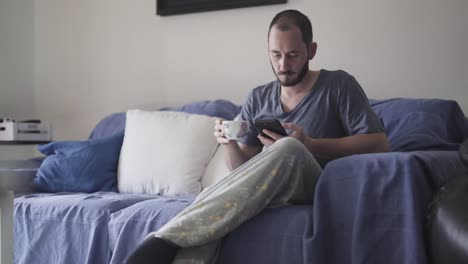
[335,107]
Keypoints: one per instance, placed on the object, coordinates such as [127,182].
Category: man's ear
[312,50]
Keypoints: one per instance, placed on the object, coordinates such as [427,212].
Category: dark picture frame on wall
[176,7]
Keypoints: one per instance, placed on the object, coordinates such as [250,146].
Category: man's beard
[292,82]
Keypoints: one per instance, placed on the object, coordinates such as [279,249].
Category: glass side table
[8,184]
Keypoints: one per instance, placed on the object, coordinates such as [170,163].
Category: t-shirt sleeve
[356,114]
[247,113]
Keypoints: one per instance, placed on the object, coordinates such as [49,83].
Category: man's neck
[292,95]
[301,88]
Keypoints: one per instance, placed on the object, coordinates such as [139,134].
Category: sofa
[368,208]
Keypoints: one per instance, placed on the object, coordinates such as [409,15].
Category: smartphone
[270,124]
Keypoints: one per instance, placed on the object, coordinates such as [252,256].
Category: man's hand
[268,141]
[236,154]
[220,135]
[298,133]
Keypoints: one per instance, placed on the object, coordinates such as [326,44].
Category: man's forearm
[340,147]
[234,156]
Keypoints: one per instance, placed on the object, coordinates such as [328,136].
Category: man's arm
[345,146]
[238,154]
[333,148]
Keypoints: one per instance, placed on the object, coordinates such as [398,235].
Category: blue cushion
[115,123]
[109,125]
[80,166]
[422,124]
[217,108]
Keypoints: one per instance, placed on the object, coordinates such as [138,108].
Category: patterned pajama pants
[285,173]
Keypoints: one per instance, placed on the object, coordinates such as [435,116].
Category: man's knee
[289,145]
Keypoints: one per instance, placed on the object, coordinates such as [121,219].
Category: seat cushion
[66,227]
[276,235]
[128,227]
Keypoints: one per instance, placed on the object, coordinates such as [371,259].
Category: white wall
[97,57]
[16,58]
[16,67]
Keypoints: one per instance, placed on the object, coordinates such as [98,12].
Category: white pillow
[216,169]
[165,153]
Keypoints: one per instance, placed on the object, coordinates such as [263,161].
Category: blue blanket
[66,227]
[368,209]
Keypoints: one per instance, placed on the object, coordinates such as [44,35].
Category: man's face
[289,55]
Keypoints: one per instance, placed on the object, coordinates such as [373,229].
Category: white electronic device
[28,130]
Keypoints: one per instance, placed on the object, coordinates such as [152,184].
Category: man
[328,116]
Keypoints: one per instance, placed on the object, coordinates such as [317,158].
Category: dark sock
[154,250]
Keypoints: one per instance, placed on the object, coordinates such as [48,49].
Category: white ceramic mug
[234,129]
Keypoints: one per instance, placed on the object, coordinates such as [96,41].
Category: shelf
[15,142]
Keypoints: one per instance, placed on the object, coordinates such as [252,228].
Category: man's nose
[284,64]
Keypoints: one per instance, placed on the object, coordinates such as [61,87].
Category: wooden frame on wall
[175,7]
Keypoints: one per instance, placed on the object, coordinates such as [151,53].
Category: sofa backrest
[411,124]
[115,122]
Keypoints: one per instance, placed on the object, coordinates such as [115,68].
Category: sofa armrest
[17,175]
[366,204]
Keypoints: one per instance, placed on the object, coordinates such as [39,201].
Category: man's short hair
[287,18]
